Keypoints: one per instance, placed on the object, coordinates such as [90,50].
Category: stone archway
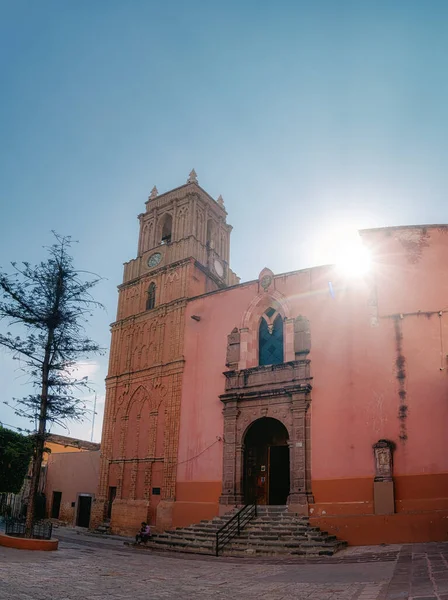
[281,392]
[266,466]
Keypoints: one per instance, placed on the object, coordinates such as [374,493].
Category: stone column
[239,473]
[174,228]
[289,340]
[231,491]
[297,500]
[153,239]
[244,340]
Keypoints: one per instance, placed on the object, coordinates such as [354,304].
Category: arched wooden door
[266,462]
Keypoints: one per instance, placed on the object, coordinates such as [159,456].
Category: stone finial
[154,193]
[192,178]
[220,201]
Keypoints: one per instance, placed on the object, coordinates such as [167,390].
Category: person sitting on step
[144,534]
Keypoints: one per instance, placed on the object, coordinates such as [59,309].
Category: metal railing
[42,530]
[234,526]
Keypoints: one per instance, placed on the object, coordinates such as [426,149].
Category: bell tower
[183,252]
[185,223]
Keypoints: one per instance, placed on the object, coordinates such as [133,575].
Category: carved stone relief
[302,336]
[383,460]
[233,349]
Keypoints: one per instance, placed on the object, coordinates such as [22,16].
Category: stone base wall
[401,528]
[164,515]
[127,516]
[67,513]
[98,512]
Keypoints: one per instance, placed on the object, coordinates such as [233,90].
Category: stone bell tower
[183,251]
[184,223]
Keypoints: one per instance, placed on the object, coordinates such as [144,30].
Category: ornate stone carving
[154,193]
[266,279]
[280,390]
[383,460]
[302,336]
[233,349]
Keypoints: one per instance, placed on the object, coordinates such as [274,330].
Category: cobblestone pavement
[88,568]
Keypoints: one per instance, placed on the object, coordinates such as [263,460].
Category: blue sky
[312,119]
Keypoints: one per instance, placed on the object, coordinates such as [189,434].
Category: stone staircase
[274,531]
[103,528]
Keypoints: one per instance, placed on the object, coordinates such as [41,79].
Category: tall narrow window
[151,300]
[167,225]
[210,233]
[270,338]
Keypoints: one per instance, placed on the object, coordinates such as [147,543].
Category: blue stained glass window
[271,344]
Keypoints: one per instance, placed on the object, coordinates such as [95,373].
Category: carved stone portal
[280,392]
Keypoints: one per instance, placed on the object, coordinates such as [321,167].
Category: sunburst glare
[352,258]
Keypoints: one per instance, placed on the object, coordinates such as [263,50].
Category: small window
[167,225]
[151,301]
[270,340]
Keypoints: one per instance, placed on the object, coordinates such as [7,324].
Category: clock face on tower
[154,260]
[219,270]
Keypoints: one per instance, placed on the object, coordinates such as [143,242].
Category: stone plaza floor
[91,568]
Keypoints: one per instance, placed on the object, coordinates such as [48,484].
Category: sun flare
[352,258]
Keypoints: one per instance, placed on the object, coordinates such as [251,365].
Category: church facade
[307,389]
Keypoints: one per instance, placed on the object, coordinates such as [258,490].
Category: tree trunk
[34,485]
[40,437]
[40,440]
[38,449]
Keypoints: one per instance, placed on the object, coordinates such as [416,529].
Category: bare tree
[48,304]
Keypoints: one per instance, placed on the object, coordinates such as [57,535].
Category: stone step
[179,543]
[266,551]
[283,543]
[286,538]
[190,532]
[271,508]
[209,530]
[262,526]
[252,542]
[282,518]
[274,531]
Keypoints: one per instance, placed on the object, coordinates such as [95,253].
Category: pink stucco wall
[71,474]
[355,397]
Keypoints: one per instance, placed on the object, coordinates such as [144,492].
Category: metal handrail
[234,525]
